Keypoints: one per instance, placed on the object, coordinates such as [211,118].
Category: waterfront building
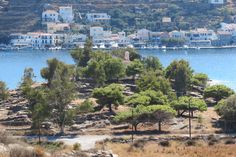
[36,40]
[98,18]
[50,16]
[178,34]
[74,40]
[224,38]
[66,14]
[99,35]
[201,34]
[20,40]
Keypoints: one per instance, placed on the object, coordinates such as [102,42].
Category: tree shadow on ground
[141,132]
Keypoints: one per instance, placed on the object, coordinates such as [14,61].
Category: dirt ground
[176,149]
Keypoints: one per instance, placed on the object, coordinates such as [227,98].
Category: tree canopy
[82,56]
[134,68]
[141,114]
[182,104]
[154,81]
[61,90]
[226,108]
[152,63]
[218,92]
[180,73]
[200,79]
[146,98]
[114,68]
[109,95]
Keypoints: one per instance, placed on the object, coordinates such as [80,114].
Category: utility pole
[132,138]
[189,108]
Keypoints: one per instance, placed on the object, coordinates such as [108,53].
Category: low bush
[164,143]
[76,146]
[230,141]
[190,143]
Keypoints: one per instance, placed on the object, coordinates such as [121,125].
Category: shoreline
[137,48]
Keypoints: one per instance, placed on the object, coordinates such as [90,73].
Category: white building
[216,2]
[20,40]
[74,39]
[98,17]
[50,16]
[201,34]
[36,40]
[66,14]
[99,35]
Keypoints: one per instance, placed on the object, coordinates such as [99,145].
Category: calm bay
[219,64]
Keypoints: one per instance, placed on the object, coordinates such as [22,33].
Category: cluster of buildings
[61,31]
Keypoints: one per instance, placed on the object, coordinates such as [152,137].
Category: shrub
[164,143]
[39,151]
[76,146]
[230,141]
[190,143]
[139,144]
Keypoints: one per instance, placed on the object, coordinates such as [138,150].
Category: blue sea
[219,64]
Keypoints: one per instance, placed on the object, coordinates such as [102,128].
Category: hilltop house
[50,16]
[98,18]
[66,14]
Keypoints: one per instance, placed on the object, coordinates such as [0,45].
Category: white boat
[163,47]
[102,46]
[95,47]
[185,47]
[114,45]
[130,46]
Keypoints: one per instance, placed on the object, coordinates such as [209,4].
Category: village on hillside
[60,30]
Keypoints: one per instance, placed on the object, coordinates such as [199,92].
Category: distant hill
[24,15]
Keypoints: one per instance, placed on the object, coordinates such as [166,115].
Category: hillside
[24,15]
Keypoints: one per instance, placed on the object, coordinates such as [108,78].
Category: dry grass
[176,149]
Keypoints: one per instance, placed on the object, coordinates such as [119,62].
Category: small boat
[102,46]
[130,46]
[185,47]
[95,47]
[114,45]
